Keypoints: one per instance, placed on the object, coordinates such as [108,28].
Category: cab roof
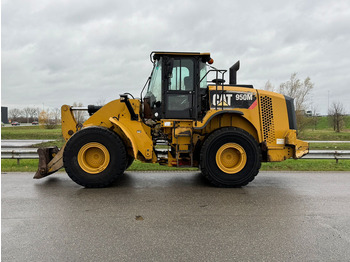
[155,55]
[179,53]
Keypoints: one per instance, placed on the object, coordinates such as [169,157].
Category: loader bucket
[50,160]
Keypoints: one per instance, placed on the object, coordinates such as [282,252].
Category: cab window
[154,91]
[182,75]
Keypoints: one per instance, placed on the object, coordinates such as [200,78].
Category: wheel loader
[186,116]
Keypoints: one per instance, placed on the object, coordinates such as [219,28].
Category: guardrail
[313,154]
[328,154]
[30,153]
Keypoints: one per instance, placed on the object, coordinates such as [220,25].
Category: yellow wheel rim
[231,158]
[93,158]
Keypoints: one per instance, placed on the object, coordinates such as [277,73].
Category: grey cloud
[58,52]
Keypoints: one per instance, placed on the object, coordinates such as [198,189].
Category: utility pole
[328,102]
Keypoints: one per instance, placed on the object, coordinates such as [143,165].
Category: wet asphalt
[177,216]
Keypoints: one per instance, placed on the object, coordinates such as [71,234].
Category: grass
[325,135]
[30,132]
[329,146]
[325,123]
[25,165]
[31,165]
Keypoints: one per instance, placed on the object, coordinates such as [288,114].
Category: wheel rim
[93,158]
[231,158]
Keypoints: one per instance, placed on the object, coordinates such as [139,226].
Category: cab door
[179,88]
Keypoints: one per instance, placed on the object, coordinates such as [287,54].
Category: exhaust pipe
[233,73]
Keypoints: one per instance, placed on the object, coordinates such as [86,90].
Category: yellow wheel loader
[226,130]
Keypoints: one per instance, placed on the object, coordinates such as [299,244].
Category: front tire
[129,161]
[94,157]
[230,157]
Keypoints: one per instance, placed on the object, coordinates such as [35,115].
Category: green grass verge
[31,165]
[325,135]
[30,132]
[329,146]
[324,122]
[25,165]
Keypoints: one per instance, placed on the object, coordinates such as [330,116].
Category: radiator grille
[267,119]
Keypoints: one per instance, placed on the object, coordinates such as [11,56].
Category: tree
[29,113]
[37,113]
[79,115]
[300,91]
[33,113]
[47,119]
[15,114]
[56,115]
[336,114]
[101,102]
[269,86]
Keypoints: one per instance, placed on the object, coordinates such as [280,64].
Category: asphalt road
[280,216]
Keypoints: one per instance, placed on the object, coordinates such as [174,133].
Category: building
[4,115]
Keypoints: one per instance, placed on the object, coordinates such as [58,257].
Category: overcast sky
[60,52]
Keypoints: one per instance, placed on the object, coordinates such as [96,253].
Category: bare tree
[269,86]
[101,102]
[300,91]
[27,112]
[79,115]
[37,113]
[32,113]
[336,114]
[15,114]
[57,115]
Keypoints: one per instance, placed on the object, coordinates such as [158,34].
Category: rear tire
[94,157]
[230,157]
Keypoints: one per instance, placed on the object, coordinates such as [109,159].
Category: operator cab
[175,89]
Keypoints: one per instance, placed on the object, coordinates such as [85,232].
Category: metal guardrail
[9,153]
[328,154]
[31,153]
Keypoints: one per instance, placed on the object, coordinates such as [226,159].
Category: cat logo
[222,99]
[233,99]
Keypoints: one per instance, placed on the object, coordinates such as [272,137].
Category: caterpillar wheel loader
[226,130]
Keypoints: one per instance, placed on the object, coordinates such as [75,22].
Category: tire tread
[204,169]
[99,131]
